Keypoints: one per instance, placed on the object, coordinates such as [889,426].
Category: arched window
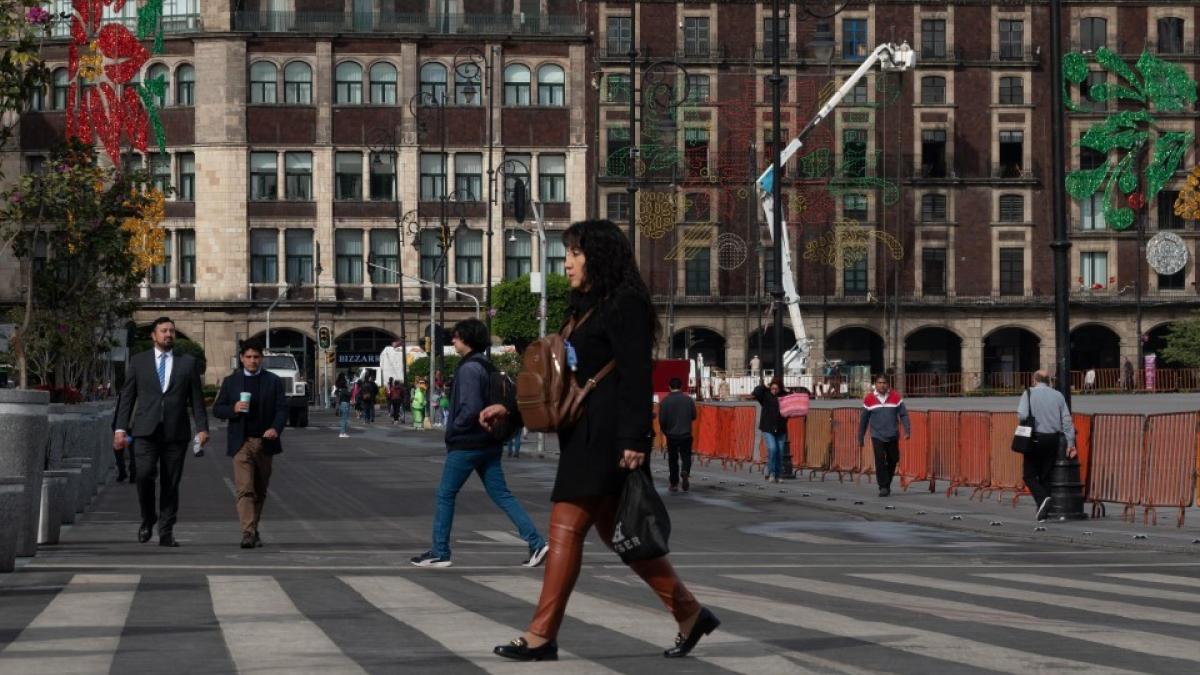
[383,84]
[516,85]
[297,83]
[433,83]
[1092,33]
[262,82]
[1012,208]
[348,76]
[550,86]
[185,85]
[933,89]
[156,71]
[933,209]
[58,91]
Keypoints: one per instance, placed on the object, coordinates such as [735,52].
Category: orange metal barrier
[1006,465]
[795,430]
[973,465]
[914,452]
[846,451]
[818,440]
[1116,462]
[738,423]
[1170,472]
[943,446]
[1083,443]
[660,441]
[706,440]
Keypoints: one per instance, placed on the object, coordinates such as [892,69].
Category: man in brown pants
[252,400]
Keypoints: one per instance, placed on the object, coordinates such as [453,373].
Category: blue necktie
[162,372]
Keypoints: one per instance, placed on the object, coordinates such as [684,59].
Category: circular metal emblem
[731,251]
[1167,253]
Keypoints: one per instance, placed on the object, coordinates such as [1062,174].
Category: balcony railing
[613,50]
[707,54]
[394,22]
[1016,54]
[172,24]
[1013,171]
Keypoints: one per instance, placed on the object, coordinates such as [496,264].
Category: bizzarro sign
[357,359]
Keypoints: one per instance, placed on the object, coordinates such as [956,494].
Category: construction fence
[1131,461]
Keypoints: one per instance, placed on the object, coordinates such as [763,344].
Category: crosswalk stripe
[903,638]
[1151,578]
[463,632]
[502,537]
[78,632]
[642,624]
[265,632]
[1124,610]
[1122,638]
[1099,587]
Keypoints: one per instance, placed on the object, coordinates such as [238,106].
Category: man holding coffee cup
[256,421]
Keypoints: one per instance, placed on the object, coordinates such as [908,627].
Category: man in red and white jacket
[883,411]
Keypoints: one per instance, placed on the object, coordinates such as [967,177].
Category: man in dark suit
[160,387]
[252,400]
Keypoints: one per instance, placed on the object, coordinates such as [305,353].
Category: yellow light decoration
[690,244]
[657,213]
[91,65]
[1187,204]
[146,236]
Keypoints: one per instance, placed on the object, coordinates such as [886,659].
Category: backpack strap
[574,323]
[601,374]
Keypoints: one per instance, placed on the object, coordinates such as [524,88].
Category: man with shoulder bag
[1052,427]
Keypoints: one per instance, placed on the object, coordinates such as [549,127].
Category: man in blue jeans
[471,449]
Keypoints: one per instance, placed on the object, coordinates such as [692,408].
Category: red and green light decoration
[1159,87]
[107,57]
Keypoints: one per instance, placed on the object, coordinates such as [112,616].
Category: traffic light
[323,337]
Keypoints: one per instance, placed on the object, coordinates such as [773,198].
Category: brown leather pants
[569,525]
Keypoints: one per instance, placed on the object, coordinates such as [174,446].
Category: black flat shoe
[168,540]
[144,534]
[706,623]
[519,650]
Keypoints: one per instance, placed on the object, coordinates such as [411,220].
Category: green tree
[24,25]
[420,367]
[1183,342]
[516,319]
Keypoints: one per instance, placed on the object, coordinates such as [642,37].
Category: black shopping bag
[643,525]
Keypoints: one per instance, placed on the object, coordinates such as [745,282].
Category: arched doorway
[1156,341]
[690,342]
[761,343]
[360,348]
[1095,346]
[1008,352]
[932,362]
[301,347]
[856,346]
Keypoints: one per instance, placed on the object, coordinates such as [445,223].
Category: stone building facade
[921,209]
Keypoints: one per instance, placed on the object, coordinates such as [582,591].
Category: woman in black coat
[772,425]
[617,323]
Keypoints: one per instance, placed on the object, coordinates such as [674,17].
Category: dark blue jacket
[270,409]
[469,396]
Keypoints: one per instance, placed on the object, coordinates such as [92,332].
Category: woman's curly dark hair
[611,267]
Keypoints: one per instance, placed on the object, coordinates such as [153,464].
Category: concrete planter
[74,479]
[12,505]
[58,442]
[55,491]
[24,425]
[87,484]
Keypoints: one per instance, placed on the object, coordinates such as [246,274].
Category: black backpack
[502,390]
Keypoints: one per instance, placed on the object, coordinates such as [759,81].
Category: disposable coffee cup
[245,397]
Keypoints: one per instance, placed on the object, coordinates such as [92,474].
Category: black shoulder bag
[1023,439]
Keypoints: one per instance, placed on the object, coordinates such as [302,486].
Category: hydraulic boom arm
[891,57]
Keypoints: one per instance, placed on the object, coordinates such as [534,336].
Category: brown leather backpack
[548,396]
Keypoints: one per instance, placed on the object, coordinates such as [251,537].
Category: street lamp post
[468,71]
[425,99]
[389,141]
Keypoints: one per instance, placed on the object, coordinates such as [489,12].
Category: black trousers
[1038,464]
[124,457]
[679,449]
[154,455]
[887,456]
[397,407]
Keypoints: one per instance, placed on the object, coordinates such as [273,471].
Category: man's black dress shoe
[706,623]
[167,540]
[519,650]
[144,534]
[247,541]
[257,541]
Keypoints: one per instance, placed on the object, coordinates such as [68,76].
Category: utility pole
[321,368]
[632,188]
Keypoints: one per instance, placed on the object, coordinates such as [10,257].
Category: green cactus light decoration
[1160,87]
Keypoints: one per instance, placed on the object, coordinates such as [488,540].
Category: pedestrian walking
[513,446]
[367,394]
[1127,375]
[342,397]
[356,396]
[471,449]
[772,425]
[444,407]
[611,438]
[395,395]
[161,387]
[253,401]
[883,412]
[1053,430]
[418,404]
[675,416]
